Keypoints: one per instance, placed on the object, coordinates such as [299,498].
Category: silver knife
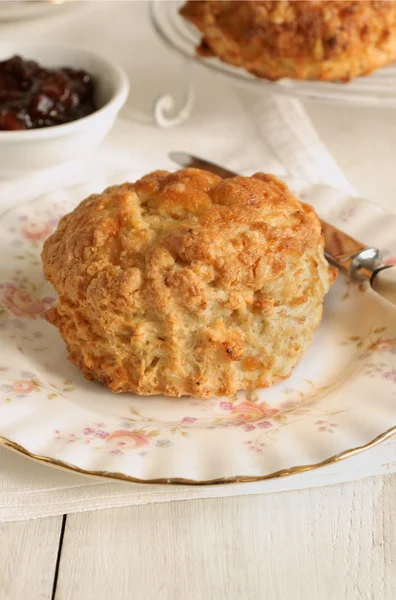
[360,262]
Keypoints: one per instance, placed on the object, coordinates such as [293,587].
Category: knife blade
[357,260]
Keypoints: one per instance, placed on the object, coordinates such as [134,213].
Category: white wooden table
[332,543]
[328,543]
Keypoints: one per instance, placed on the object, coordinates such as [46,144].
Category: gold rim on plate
[115,475]
[46,460]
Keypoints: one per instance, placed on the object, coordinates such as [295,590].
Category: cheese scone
[187,284]
[328,40]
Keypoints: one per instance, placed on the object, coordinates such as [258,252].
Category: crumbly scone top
[181,282]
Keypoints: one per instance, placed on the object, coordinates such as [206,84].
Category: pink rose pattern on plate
[137,432]
[37,232]
[27,383]
[23,303]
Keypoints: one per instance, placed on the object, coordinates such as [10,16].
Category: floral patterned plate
[340,399]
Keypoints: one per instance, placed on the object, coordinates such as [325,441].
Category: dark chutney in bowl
[33,97]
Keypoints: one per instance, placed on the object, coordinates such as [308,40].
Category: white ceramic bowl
[25,151]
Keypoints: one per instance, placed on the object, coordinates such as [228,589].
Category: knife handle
[384,283]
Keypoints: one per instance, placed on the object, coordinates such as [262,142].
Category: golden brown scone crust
[309,39]
[184,283]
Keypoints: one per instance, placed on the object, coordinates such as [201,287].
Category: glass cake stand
[377,89]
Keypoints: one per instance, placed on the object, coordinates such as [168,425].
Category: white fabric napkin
[29,490]
[247,134]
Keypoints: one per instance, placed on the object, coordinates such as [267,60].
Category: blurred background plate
[377,89]
[16,10]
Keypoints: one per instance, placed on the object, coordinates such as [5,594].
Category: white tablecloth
[242,132]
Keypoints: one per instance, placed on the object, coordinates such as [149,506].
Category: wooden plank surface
[28,554]
[333,543]
[336,543]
